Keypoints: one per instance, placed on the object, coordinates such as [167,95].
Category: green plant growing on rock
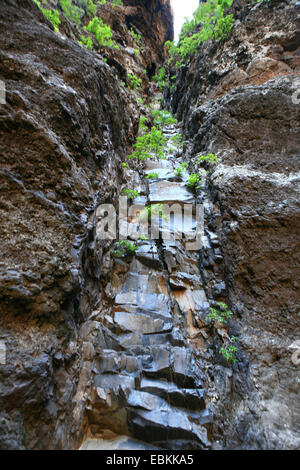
[141,146]
[51,15]
[102,33]
[160,78]
[137,37]
[177,140]
[181,169]
[209,158]
[152,176]
[124,248]
[124,165]
[214,25]
[117,3]
[72,11]
[157,143]
[163,118]
[194,181]
[143,238]
[151,211]
[135,82]
[131,193]
[229,352]
[87,42]
[150,144]
[221,314]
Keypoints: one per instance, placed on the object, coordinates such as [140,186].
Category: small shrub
[150,144]
[194,181]
[181,169]
[157,143]
[124,165]
[230,351]
[72,12]
[102,32]
[124,248]
[135,82]
[51,15]
[136,52]
[163,118]
[143,237]
[177,140]
[160,78]
[118,3]
[151,176]
[86,42]
[220,314]
[131,193]
[209,158]
[137,37]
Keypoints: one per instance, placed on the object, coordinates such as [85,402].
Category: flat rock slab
[169,192]
[139,323]
[192,399]
[116,443]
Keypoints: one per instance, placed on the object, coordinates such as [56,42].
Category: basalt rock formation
[240,100]
[116,352]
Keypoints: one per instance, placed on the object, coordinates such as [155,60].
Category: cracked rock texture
[239,99]
[66,127]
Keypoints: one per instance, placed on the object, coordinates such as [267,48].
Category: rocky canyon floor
[181,339]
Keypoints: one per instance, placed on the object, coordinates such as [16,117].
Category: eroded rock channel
[103,347]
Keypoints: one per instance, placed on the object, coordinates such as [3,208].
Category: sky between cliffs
[181,9]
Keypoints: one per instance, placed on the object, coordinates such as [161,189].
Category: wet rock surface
[117,353]
[150,381]
[244,110]
[67,124]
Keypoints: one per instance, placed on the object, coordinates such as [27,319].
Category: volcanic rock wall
[240,100]
[67,124]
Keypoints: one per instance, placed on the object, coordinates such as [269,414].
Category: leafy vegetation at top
[160,78]
[221,314]
[137,37]
[72,11]
[194,181]
[209,158]
[182,168]
[131,193]
[214,25]
[163,117]
[135,82]
[149,144]
[51,15]
[116,3]
[152,176]
[102,32]
[124,248]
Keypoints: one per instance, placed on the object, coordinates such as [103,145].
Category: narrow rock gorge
[146,339]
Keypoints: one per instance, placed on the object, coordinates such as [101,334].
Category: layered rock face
[67,124]
[240,100]
[107,352]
